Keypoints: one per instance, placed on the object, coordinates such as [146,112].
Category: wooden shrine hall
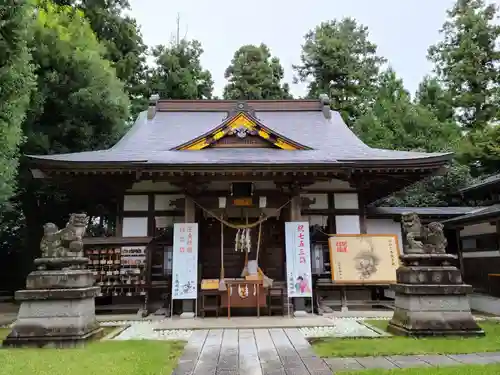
[205,194]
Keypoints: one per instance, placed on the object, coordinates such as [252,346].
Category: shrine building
[240,170]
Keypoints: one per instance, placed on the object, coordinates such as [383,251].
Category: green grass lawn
[336,347]
[98,358]
[452,370]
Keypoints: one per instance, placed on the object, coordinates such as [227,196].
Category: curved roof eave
[426,162]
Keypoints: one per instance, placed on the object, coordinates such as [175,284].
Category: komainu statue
[66,242]
[421,239]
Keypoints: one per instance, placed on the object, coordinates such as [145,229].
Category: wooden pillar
[460,252]
[189,217]
[362,213]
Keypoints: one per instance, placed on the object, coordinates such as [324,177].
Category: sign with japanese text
[298,259]
[364,258]
[185,261]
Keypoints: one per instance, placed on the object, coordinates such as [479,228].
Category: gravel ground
[342,328]
[145,331]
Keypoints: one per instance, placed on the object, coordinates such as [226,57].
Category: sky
[402,29]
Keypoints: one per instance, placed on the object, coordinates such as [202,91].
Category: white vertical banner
[298,259]
[185,261]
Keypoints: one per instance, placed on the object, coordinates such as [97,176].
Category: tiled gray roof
[483,183]
[481,213]
[331,141]
[424,211]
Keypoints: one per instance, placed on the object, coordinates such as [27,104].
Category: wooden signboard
[243,202]
[364,258]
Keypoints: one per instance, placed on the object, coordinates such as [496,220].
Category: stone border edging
[114,333]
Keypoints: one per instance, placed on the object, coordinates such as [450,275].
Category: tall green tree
[432,95]
[254,74]
[16,84]
[394,121]
[467,62]
[178,73]
[80,104]
[123,42]
[338,59]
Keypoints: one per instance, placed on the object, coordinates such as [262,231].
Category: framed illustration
[364,258]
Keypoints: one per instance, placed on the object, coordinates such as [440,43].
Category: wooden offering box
[243,293]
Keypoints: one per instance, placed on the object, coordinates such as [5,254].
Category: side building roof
[489,183]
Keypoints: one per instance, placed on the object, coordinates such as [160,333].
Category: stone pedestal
[299,306]
[431,298]
[57,307]
[187,309]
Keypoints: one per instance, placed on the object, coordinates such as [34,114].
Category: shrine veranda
[217,199]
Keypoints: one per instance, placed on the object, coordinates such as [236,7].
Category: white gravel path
[342,328]
[145,331]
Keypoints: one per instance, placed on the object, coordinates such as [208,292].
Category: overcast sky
[402,29]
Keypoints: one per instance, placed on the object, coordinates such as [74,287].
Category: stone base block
[429,275]
[60,279]
[431,303]
[403,331]
[73,341]
[53,322]
[433,323]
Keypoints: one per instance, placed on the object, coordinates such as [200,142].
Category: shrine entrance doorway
[226,250]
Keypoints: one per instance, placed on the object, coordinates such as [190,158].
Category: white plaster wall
[483,228]
[135,227]
[320,201]
[346,200]
[135,203]
[347,224]
[330,185]
[385,226]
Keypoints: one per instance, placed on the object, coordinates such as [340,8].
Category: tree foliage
[395,122]
[481,150]
[16,84]
[178,73]
[436,99]
[124,46]
[467,61]
[436,191]
[254,74]
[80,104]
[338,59]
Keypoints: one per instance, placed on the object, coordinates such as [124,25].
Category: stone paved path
[250,352]
[287,352]
[402,361]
